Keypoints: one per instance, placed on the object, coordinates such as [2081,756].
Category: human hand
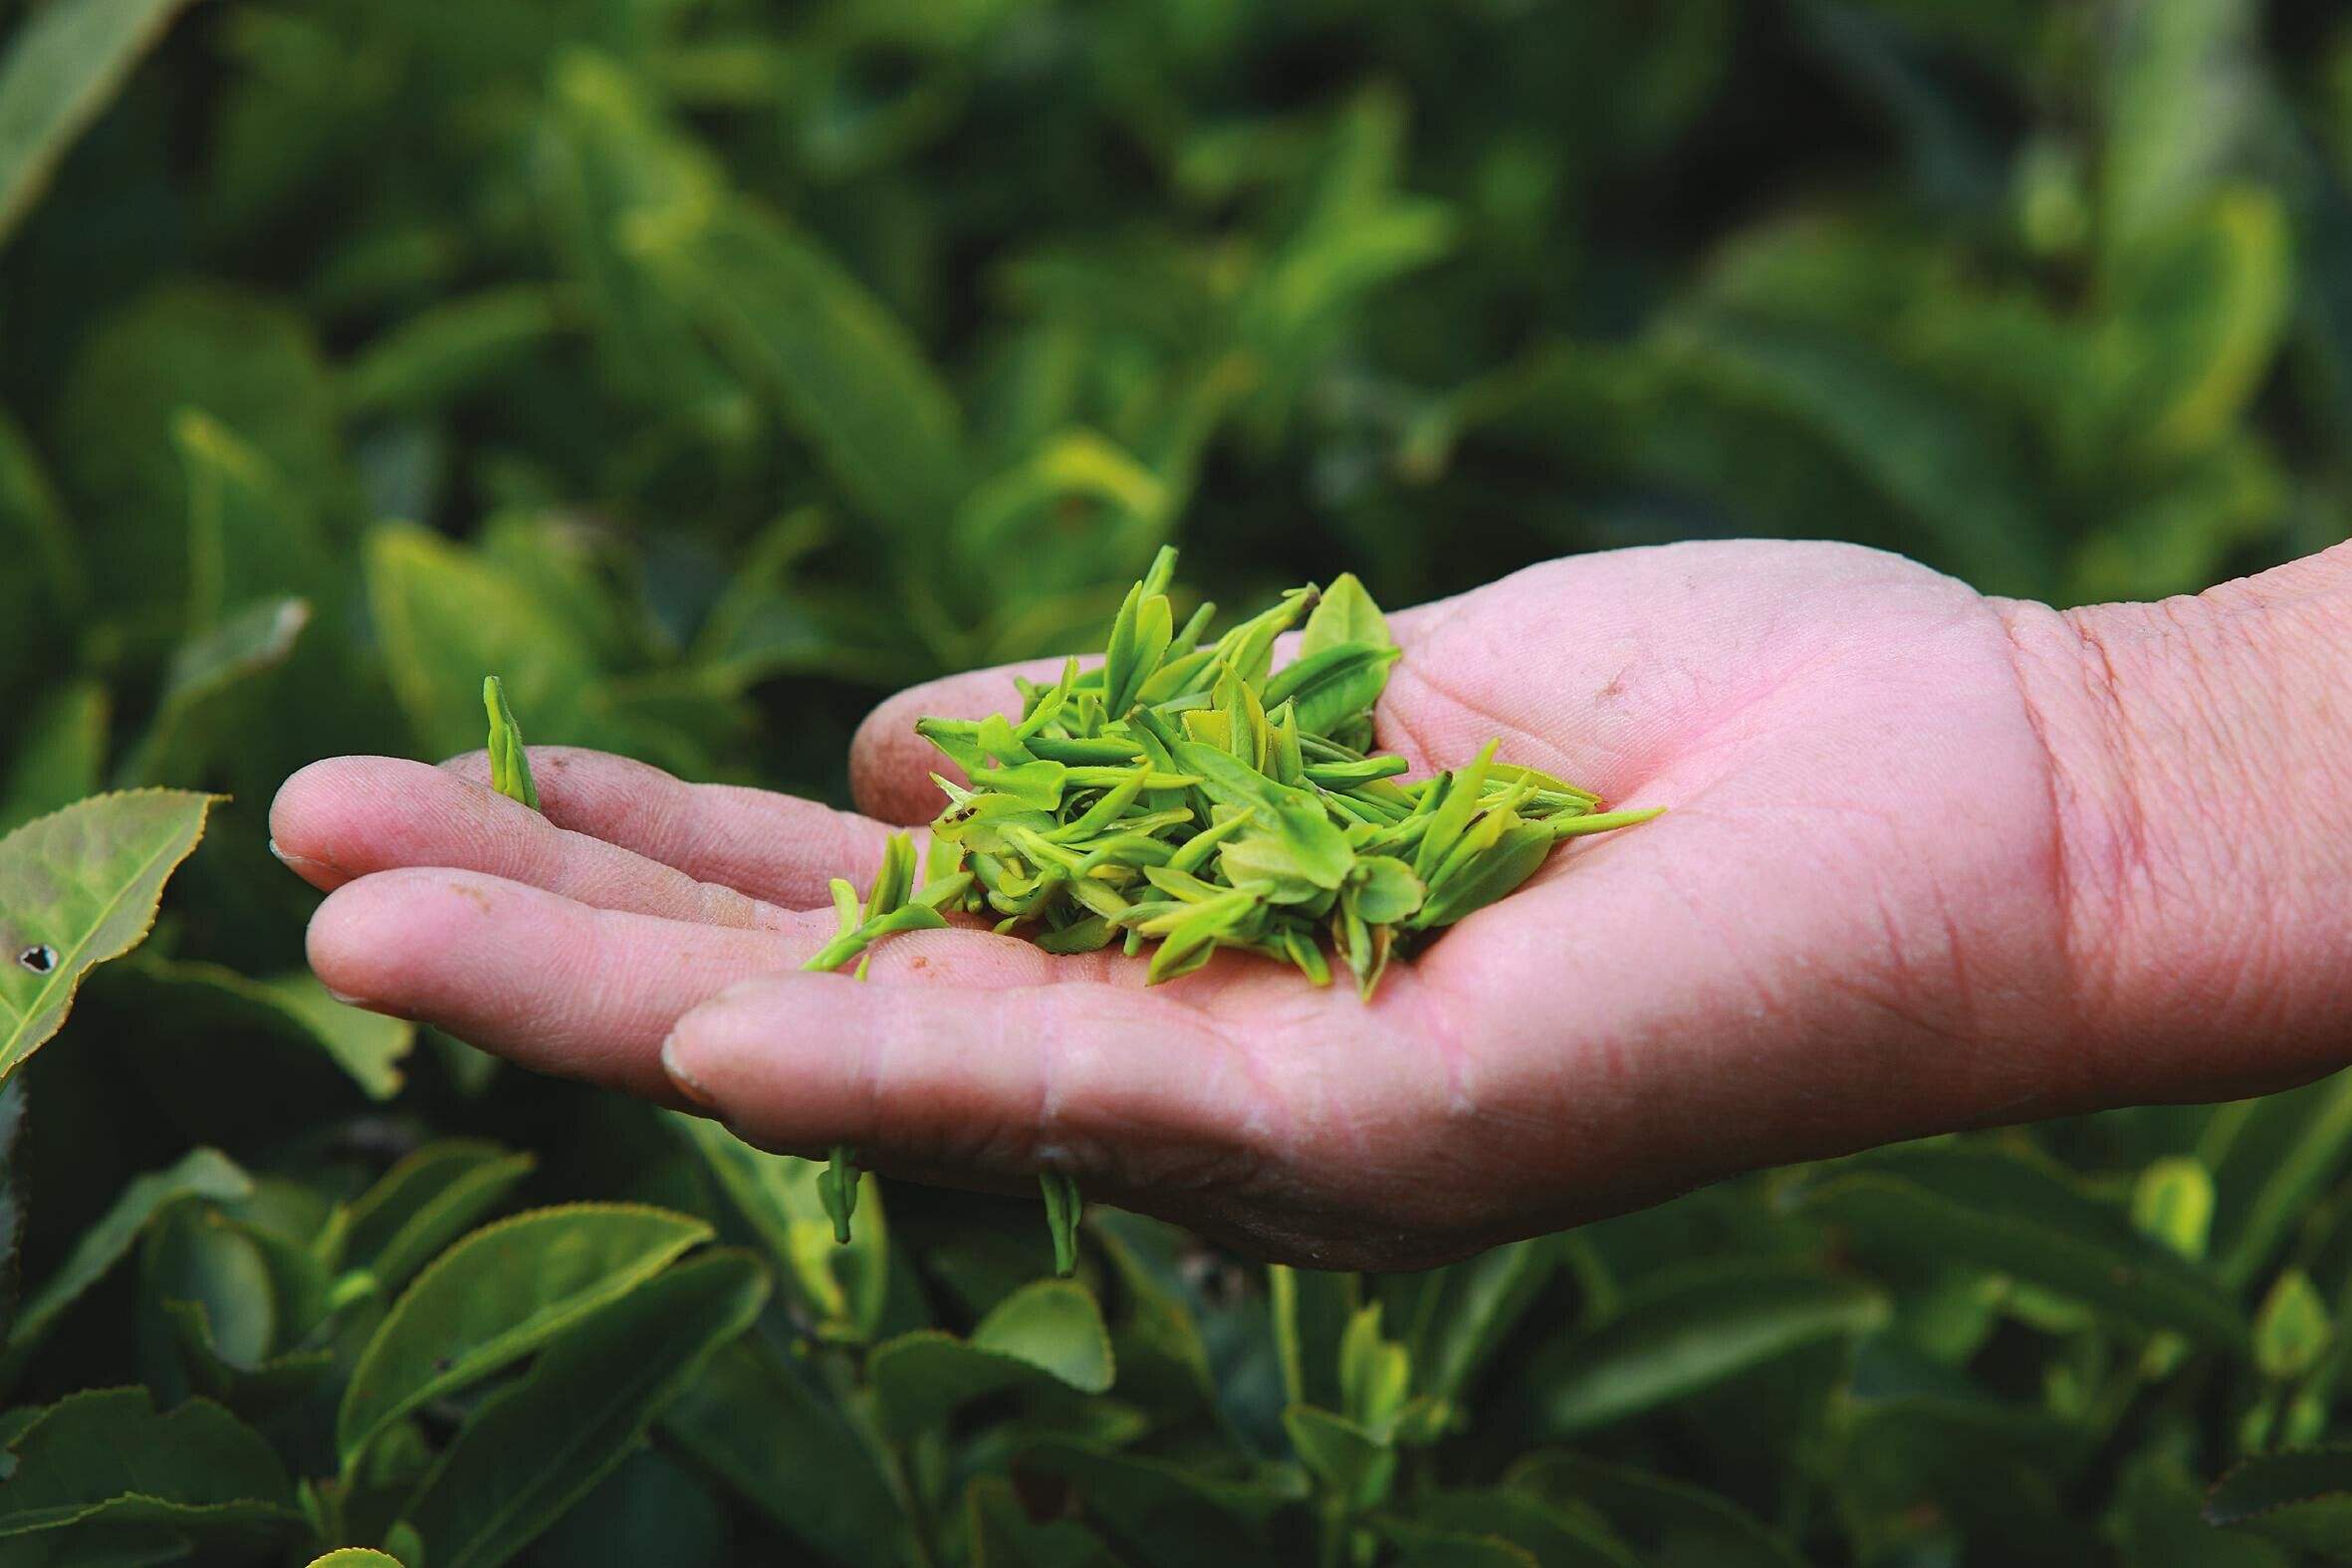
[1863,918]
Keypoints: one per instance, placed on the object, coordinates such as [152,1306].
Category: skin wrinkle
[1610,1044]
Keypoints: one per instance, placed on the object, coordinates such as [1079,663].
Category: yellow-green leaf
[78,887]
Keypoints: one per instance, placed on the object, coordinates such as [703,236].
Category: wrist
[2201,765]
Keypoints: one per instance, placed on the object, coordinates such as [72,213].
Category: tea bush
[709,369]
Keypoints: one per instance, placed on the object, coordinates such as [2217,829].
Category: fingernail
[298,862]
[350,1001]
[680,1076]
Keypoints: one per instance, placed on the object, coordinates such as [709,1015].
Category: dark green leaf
[2299,1500]
[1046,1333]
[426,1201]
[535,1448]
[753,1420]
[64,64]
[203,1172]
[500,1293]
[1691,1329]
[107,1461]
[1665,1520]
[2000,1212]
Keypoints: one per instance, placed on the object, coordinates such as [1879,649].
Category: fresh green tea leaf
[843,1288]
[510,762]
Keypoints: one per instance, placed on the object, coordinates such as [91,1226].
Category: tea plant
[710,371]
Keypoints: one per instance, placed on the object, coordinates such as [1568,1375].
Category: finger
[773,847]
[353,817]
[1091,1077]
[566,989]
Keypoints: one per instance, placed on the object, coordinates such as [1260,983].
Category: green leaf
[246,361]
[249,536]
[60,754]
[1045,1334]
[203,1172]
[838,367]
[1162,1514]
[2299,1500]
[1470,1308]
[240,1306]
[196,1001]
[1928,455]
[1961,1203]
[2194,320]
[2295,1144]
[443,351]
[1344,615]
[355,1557]
[2172,1202]
[1420,1546]
[107,1461]
[843,1287]
[1064,1206]
[1311,1309]
[752,1419]
[1556,1537]
[1331,685]
[1689,1329]
[209,674]
[536,1447]
[1384,889]
[2183,103]
[66,61]
[2003,1473]
[39,601]
[2291,1331]
[499,1294]
[444,615]
[1375,1374]
[426,1201]
[2158,1521]
[1003,1536]
[1352,1464]
[510,761]
[79,887]
[1665,1520]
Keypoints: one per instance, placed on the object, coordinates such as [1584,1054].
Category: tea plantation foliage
[709,369]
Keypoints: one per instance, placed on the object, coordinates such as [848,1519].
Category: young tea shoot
[1184,796]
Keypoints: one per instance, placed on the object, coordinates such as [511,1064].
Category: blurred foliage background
[709,369]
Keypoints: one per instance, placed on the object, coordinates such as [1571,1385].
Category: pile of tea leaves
[1185,793]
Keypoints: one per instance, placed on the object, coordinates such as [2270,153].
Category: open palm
[1847,928]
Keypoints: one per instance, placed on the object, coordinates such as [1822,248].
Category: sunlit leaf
[76,888]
